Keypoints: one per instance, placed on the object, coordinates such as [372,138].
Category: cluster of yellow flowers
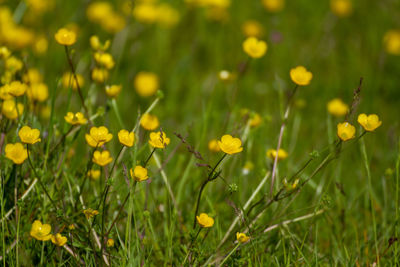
[42,232]
[346,131]
[151,12]
[103,13]
[216,10]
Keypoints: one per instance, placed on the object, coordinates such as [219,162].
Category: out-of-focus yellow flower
[146,83]
[97,45]
[110,242]
[337,107]
[29,135]
[167,16]
[40,6]
[391,42]
[369,122]
[145,13]
[213,145]
[102,158]
[252,28]
[242,238]
[13,64]
[75,119]
[248,166]
[16,88]
[90,213]
[40,231]
[300,75]
[58,240]
[10,110]
[341,8]
[5,92]
[254,48]
[126,138]
[113,90]
[99,75]
[4,52]
[114,23]
[65,37]
[158,140]
[204,220]
[225,75]
[98,136]
[102,13]
[38,92]
[290,187]
[32,76]
[104,59]
[149,122]
[45,112]
[255,120]
[94,174]
[230,145]
[16,152]
[71,227]
[346,131]
[40,45]
[282,154]
[274,5]
[68,81]
[139,173]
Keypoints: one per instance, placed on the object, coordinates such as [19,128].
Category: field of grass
[207,91]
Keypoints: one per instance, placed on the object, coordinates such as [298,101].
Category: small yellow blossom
[369,122]
[252,28]
[75,119]
[282,154]
[90,213]
[113,90]
[97,45]
[346,131]
[94,174]
[98,136]
[41,44]
[204,220]
[230,145]
[65,37]
[4,52]
[248,166]
[16,152]
[29,135]
[273,5]
[139,173]
[146,83]
[391,42]
[242,238]
[40,231]
[254,48]
[213,145]
[255,120]
[337,107]
[102,158]
[100,75]
[58,240]
[71,227]
[290,187]
[149,122]
[9,109]
[104,59]
[158,140]
[341,8]
[38,92]
[300,75]
[126,138]
[16,88]
[32,76]
[13,64]
[110,242]
[68,81]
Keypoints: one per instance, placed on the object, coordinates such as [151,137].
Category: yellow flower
[104,59]
[75,119]
[99,75]
[337,107]
[369,122]
[29,135]
[254,48]
[248,166]
[204,220]
[33,75]
[38,92]
[5,92]
[252,28]
[16,88]
[102,158]
[289,187]
[94,174]
[65,37]
[391,42]
[242,237]
[9,109]
[40,231]
[346,131]
[146,83]
[41,44]
[230,145]
[282,154]
[255,120]
[113,90]
[97,45]
[98,11]
[300,75]
[89,213]
[341,8]
[139,173]
[273,5]
[98,136]
[158,140]
[4,52]
[13,64]
[149,122]
[126,138]
[71,227]
[16,152]
[110,242]
[58,240]
[213,145]
[68,81]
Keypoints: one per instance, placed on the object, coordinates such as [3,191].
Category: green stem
[230,254]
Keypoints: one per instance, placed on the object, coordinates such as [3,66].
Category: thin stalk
[229,255]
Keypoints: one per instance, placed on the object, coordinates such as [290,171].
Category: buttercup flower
[341,8]
[89,213]
[113,90]
[139,173]
[5,92]
[252,28]
[104,59]
[110,242]
[16,88]
[38,92]
[282,154]
[149,122]
[391,42]
[40,231]
[32,75]
[29,135]
[255,120]
[337,107]
[75,119]
[99,75]
[230,145]
[65,37]
[9,109]
[98,136]
[204,220]
[58,240]
[254,48]
[346,131]
[146,83]
[158,140]
[273,5]
[369,122]
[126,138]
[68,81]
[97,45]
[300,75]
[242,237]
[16,152]
[213,145]
[94,174]
[102,158]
